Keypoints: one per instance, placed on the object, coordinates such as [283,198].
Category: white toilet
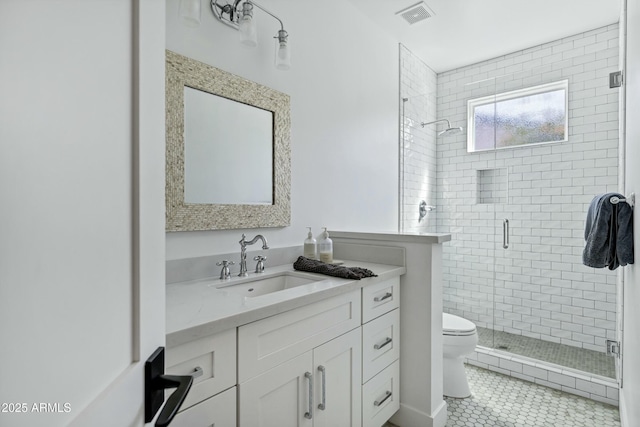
[459,340]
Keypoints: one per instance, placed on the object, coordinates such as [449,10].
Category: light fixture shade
[248,31]
[247,26]
[283,54]
[190,13]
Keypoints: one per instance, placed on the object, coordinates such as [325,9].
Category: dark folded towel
[314,266]
[608,233]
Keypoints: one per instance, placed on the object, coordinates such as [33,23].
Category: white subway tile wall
[418,168]
[541,289]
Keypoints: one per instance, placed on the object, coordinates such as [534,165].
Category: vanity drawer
[380,396]
[380,343]
[218,411]
[267,343]
[215,355]
[380,298]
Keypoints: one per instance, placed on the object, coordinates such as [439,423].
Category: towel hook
[631,200]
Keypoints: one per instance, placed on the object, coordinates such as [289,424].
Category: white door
[338,400]
[82,211]
[279,397]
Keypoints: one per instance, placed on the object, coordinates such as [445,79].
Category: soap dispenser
[325,247]
[310,247]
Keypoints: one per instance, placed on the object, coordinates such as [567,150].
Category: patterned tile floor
[590,361]
[501,401]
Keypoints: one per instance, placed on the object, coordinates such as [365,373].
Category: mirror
[219,135]
[228,152]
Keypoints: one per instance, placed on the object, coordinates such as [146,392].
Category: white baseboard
[411,417]
[623,411]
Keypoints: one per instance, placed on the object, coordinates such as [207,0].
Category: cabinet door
[279,397]
[218,411]
[338,381]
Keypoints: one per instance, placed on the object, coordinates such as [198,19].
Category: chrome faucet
[243,251]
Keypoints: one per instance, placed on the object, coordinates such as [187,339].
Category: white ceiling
[464,32]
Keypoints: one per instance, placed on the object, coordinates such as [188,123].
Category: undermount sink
[258,286]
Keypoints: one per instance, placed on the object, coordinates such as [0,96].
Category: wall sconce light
[190,13]
[239,15]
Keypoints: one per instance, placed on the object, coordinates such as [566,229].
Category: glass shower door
[548,305]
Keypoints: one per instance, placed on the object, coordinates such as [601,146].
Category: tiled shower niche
[492,186]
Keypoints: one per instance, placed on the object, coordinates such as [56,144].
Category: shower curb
[590,386]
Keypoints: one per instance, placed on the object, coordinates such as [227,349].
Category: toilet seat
[457,326]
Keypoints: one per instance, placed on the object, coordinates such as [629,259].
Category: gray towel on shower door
[608,233]
[624,242]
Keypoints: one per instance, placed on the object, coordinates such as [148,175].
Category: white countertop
[393,236]
[201,307]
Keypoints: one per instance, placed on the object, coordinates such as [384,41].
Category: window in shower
[534,115]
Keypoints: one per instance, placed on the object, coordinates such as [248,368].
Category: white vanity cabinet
[380,352]
[334,362]
[302,367]
[318,388]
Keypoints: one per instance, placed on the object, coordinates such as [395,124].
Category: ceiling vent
[416,13]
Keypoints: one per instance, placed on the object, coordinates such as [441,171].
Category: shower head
[448,131]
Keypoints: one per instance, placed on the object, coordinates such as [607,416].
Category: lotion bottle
[325,247]
[310,247]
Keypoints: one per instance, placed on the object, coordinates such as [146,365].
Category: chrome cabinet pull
[505,234]
[383,297]
[197,372]
[387,341]
[323,405]
[387,395]
[309,415]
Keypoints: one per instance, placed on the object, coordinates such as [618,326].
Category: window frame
[514,94]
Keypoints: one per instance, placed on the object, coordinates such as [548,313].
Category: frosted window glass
[527,116]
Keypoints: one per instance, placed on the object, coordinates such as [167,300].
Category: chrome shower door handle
[309,415]
[505,234]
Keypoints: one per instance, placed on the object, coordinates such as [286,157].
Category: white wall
[344,101]
[630,392]
[542,290]
[82,251]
